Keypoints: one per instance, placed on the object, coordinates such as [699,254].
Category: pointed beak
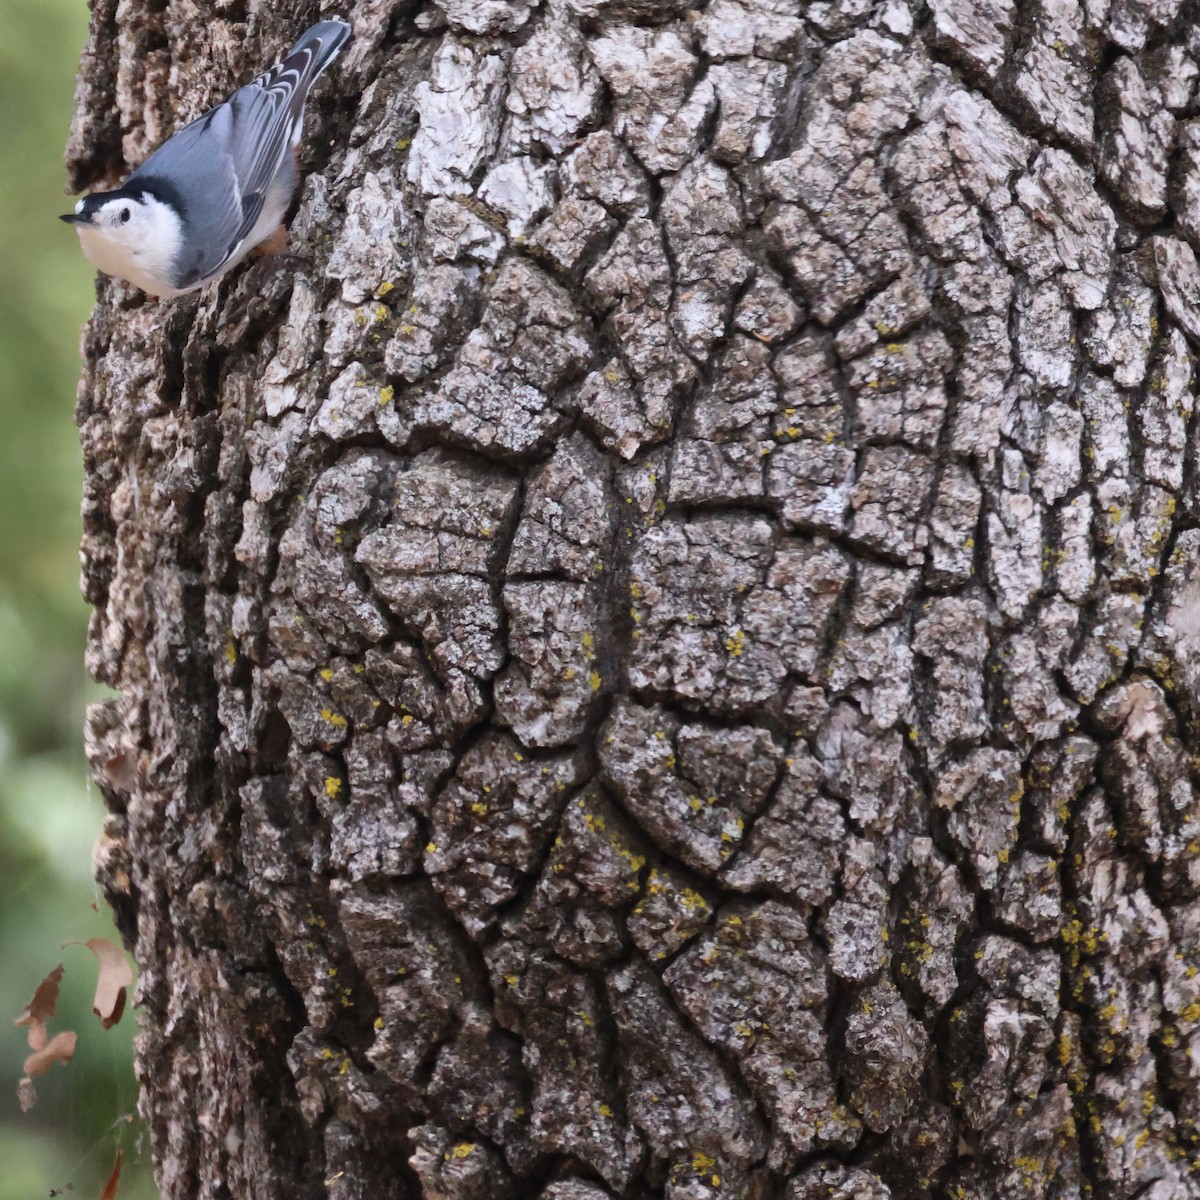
[76,218]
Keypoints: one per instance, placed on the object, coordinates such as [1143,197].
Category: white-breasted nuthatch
[215,190]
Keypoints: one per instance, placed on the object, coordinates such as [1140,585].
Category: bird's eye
[125,215]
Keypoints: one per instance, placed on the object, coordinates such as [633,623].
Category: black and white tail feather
[218,187]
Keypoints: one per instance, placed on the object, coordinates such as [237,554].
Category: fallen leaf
[115,976]
[44,1001]
[58,1049]
[110,1188]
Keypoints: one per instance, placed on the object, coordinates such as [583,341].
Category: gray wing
[223,163]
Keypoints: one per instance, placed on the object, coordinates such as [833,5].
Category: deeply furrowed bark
[658,655]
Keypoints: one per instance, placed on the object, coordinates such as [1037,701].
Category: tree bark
[658,655]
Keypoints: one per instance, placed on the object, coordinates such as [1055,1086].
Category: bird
[217,189]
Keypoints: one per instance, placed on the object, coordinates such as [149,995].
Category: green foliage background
[49,815]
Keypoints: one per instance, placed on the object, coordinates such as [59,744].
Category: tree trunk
[658,655]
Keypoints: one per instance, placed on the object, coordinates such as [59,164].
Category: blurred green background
[49,815]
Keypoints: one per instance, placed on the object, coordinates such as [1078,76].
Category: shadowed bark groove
[658,655]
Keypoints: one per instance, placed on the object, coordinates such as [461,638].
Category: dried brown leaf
[115,976]
[110,1188]
[44,1001]
[58,1049]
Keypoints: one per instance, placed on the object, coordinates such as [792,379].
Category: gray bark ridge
[659,657]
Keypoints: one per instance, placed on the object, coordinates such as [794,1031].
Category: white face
[133,238]
[122,221]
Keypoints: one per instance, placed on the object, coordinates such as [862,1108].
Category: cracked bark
[659,656]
